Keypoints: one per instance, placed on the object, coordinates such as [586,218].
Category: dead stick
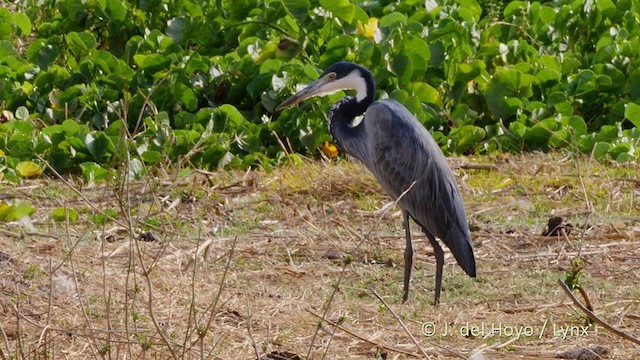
[469,166]
[387,347]
[592,316]
[401,323]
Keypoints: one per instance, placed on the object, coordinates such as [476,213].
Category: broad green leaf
[467,136]
[600,150]
[578,125]
[7,50]
[151,157]
[136,169]
[61,214]
[620,148]
[472,7]
[506,90]
[176,28]
[417,50]
[518,129]
[540,133]
[402,67]
[186,96]
[298,8]
[426,93]
[392,19]
[23,23]
[116,10]
[99,145]
[5,31]
[152,62]
[632,113]
[103,218]
[469,71]
[80,43]
[546,75]
[343,9]
[560,139]
[92,172]
[15,212]
[22,113]
[624,158]
[28,169]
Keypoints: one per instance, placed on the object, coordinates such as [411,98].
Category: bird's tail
[462,248]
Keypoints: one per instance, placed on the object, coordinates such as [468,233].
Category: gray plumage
[403,156]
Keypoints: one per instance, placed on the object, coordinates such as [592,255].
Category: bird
[404,158]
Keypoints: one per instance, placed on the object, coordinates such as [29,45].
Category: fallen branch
[593,317]
[401,323]
[470,166]
[358,336]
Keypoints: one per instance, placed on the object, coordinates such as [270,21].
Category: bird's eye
[332,76]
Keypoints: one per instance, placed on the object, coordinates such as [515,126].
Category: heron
[404,158]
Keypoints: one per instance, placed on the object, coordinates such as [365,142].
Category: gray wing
[401,152]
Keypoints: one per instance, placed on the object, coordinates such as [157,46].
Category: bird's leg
[408,257]
[439,254]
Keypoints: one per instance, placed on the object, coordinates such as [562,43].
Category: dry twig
[594,317]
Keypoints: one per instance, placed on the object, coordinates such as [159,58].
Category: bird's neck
[347,137]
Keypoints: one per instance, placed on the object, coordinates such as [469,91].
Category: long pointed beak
[313,89]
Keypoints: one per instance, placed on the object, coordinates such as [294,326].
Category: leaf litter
[290,235]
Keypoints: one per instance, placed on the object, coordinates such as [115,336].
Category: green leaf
[426,93]
[578,125]
[92,172]
[99,145]
[80,43]
[506,89]
[28,169]
[560,139]
[15,212]
[540,133]
[186,96]
[136,169]
[151,157]
[176,28]
[343,9]
[297,8]
[152,62]
[7,50]
[61,214]
[116,10]
[467,136]
[100,218]
[22,113]
[632,113]
[402,67]
[392,19]
[23,23]
[620,148]
[600,150]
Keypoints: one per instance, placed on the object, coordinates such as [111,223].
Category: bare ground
[288,263]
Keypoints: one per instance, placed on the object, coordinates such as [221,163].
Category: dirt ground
[305,262]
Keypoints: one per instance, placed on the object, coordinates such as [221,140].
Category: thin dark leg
[439,254]
[408,257]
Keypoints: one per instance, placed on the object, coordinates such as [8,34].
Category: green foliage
[85,85]
[15,211]
[62,214]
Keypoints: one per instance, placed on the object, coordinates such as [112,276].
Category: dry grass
[244,263]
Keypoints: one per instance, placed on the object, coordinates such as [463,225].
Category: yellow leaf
[28,169]
[1,152]
[329,150]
